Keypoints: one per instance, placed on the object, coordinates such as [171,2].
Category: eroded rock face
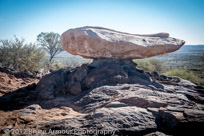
[134,109]
[119,99]
[98,42]
[99,73]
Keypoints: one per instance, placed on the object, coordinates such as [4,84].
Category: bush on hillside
[145,65]
[158,65]
[184,74]
[150,65]
[57,65]
[19,56]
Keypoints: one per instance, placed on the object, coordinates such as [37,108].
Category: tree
[20,56]
[51,43]
[158,65]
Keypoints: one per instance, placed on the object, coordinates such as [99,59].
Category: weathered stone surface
[76,88]
[100,72]
[51,83]
[125,120]
[133,105]
[30,113]
[98,42]
[157,133]
[134,109]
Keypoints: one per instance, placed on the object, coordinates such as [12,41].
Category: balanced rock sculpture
[107,96]
[98,42]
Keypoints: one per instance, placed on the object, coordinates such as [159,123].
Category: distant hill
[187,57]
[191,49]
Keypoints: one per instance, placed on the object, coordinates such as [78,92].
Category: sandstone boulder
[98,42]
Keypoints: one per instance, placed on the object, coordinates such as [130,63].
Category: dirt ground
[9,82]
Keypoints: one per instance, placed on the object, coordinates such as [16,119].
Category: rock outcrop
[98,42]
[109,97]
[99,73]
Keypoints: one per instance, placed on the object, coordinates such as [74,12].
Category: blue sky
[183,19]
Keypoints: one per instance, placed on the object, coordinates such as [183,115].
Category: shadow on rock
[19,98]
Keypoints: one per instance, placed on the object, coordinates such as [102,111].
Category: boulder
[98,42]
[51,83]
[113,71]
[99,73]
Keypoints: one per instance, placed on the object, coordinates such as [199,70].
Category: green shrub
[150,65]
[145,65]
[57,65]
[158,65]
[19,56]
[184,74]
[202,74]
